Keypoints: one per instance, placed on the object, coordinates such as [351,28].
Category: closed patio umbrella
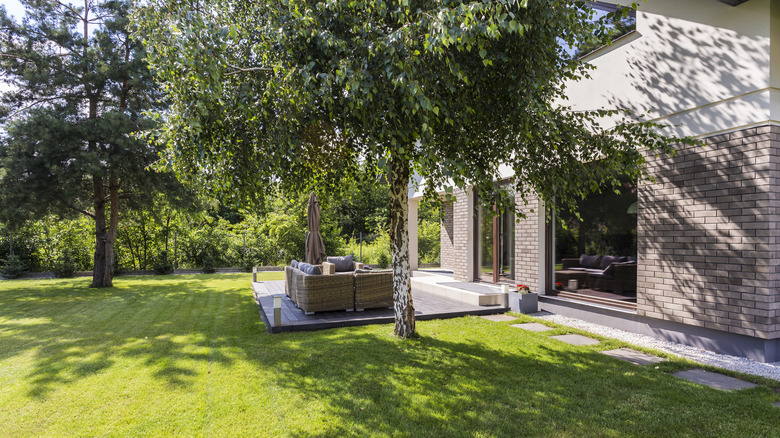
[315,250]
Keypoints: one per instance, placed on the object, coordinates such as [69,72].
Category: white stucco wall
[699,64]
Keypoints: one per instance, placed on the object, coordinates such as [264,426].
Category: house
[705,233]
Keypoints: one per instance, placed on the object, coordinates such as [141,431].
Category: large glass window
[495,243]
[596,256]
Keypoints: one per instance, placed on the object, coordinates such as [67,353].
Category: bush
[65,267]
[163,265]
[209,265]
[383,260]
[13,267]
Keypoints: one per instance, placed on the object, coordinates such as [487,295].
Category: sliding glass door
[495,261]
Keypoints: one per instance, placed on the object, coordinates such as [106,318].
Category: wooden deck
[426,306]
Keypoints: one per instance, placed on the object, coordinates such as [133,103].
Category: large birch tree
[295,91]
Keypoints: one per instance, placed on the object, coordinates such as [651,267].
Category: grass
[188,356]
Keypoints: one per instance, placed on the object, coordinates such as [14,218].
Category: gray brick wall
[527,241]
[708,235]
[447,239]
[460,244]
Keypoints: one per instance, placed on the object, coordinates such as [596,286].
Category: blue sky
[14,8]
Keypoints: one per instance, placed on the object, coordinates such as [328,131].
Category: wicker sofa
[373,289]
[321,293]
[355,289]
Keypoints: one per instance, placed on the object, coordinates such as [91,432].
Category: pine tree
[79,86]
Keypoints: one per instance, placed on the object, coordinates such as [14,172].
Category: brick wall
[708,235]
[527,241]
[461,214]
[447,257]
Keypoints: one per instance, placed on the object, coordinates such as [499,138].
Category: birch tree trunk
[399,246]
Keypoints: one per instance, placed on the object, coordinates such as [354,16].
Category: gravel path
[734,363]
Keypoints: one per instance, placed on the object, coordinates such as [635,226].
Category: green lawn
[189,356]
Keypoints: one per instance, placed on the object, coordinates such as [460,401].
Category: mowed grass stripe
[189,356]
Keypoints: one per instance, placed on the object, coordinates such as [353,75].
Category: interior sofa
[611,273]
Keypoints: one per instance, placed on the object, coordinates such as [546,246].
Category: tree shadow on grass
[462,377]
[376,385]
[76,332]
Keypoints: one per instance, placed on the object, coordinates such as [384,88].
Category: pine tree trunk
[99,269]
[399,247]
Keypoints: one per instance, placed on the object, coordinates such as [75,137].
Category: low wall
[41,275]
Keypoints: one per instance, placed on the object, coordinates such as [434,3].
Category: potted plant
[529,301]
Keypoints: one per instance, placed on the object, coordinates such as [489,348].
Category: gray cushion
[343,264]
[294,263]
[310,269]
[590,261]
[608,260]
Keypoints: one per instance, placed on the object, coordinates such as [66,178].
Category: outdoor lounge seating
[611,273]
[373,289]
[320,293]
[325,288]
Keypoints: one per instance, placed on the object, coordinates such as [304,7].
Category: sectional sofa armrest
[570,263]
[328,268]
[357,265]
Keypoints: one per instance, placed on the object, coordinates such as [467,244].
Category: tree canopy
[79,87]
[299,92]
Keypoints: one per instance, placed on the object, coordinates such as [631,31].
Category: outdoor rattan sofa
[322,293]
[373,289]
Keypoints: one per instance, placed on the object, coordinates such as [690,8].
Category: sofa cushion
[608,260]
[343,264]
[309,269]
[590,261]
[294,263]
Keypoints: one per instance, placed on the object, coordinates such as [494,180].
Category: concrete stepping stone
[777,404]
[499,318]
[713,380]
[532,327]
[576,339]
[633,356]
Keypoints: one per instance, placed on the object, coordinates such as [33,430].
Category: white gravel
[734,363]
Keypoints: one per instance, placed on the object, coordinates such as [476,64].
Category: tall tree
[266,92]
[79,86]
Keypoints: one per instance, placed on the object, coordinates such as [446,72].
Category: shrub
[65,267]
[13,267]
[209,265]
[163,265]
[383,260]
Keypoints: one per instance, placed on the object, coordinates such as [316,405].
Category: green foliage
[163,266]
[429,241]
[383,260]
[12,267]
[81,86]
[65,267]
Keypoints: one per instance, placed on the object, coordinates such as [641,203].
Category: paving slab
[576,339]
[777,404]
[633,356]
[499,318]
[713,380]
[532,327]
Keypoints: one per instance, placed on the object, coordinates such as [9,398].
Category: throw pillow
[294,263]
[310,269]
[590,261]
[343,264]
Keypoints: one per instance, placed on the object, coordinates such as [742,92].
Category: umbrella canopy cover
[315,250]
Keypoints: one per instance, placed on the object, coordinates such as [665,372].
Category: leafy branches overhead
[298,92]
[453,87]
